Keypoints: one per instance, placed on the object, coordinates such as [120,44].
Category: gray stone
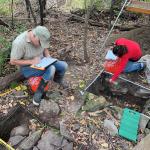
[53,121]
[143,122]
[146,109]
[118,110]
[45,146]
[142,93]
[66,145]
[76,127]
[35,148]
[49,107]
[54,96]
[19,94]
[31,140]
[109,125]
[95,103]
[144,144]
[147,131]
[15,140]
[22,130]
[49,141]
[148,125]
[75,106]
[65,132]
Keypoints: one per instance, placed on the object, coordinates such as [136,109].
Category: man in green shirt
[28,49]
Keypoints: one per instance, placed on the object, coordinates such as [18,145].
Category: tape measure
[17,88]
[3,143]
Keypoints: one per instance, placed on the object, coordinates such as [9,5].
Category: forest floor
[77,113]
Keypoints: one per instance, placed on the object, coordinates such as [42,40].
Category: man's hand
[46,52]
[21,62]
[35,60]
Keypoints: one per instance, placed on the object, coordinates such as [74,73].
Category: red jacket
[134,53]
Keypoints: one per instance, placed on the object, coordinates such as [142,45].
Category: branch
[3,23]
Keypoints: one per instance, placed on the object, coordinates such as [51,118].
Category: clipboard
[46,61]
[110,55]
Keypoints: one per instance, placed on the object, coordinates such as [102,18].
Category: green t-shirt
[22,48]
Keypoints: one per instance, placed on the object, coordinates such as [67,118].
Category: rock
[143,122]
[15,140]
[148,125]
[142,93]
[66,145]
[91,96]
[146,109]
[35,148]
[76,103]
[95,104]
[54,95]
[31,140]
[76,127]
[47,118]
[64,132]
[22,130]
[19,94]
[109,125]
[144,144]
[147,131]
[118,110]
[75,106]
[49,141]
[49,107]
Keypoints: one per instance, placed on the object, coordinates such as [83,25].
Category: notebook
[110,55]
[46,61]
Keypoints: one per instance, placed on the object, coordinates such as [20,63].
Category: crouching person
[128,53]
[28,49]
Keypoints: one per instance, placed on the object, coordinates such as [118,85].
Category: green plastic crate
[129,124]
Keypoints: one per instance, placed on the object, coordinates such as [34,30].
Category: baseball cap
[43,34]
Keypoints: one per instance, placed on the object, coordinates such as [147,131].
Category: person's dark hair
[120,50]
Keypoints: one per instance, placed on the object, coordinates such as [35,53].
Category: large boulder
[144,144]
[49,107]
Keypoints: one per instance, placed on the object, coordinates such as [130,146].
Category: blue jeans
[133,66]
[54,72]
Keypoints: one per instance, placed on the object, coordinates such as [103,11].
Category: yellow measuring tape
[18,88]
[6,145]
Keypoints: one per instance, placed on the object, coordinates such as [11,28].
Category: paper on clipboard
[46,61]
[110,55]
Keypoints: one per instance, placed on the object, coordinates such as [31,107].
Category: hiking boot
[143,66]
[39,92]
[37,98]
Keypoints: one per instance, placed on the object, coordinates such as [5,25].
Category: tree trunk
[29,9]
[12,14]
[87,15]
[42,4]
[111,13]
